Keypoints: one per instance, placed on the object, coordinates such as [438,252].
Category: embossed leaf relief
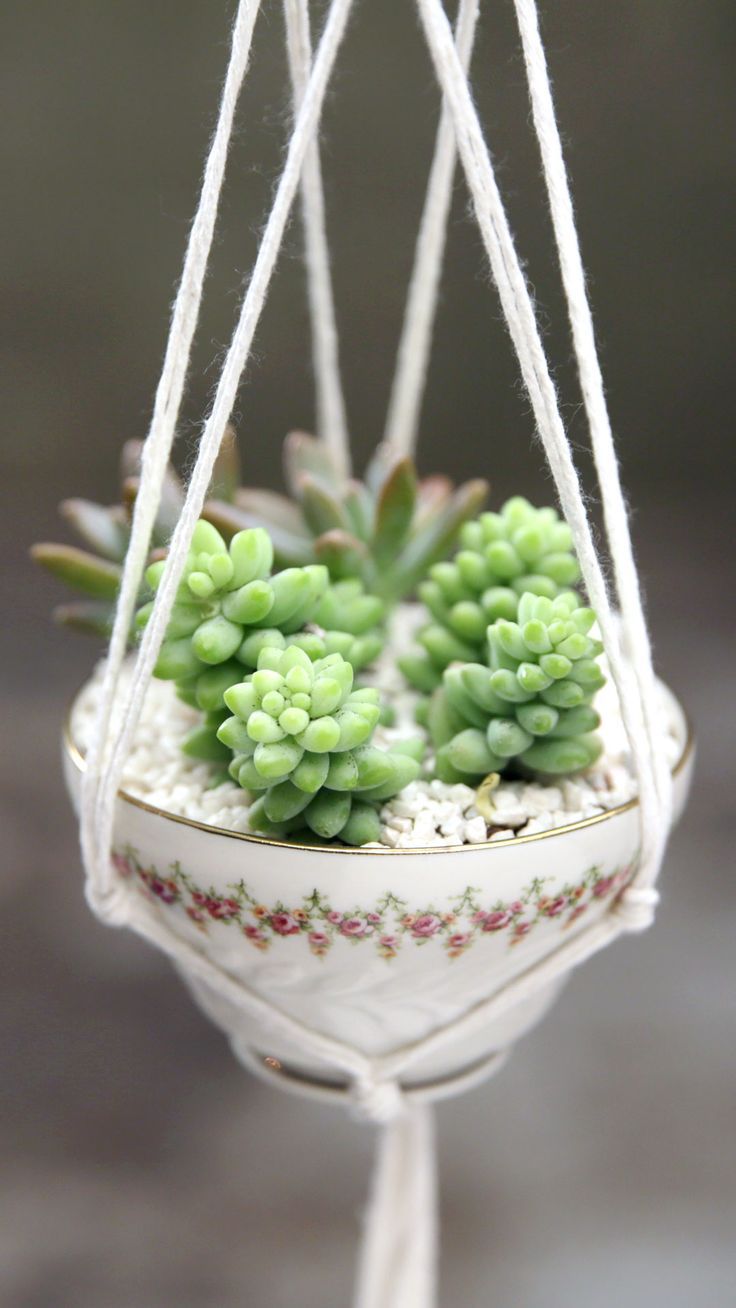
[389,925]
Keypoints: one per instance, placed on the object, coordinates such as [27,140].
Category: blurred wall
[107,115]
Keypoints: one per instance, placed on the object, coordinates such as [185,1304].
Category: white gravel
[426,813]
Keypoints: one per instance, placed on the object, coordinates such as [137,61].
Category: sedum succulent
[230,606]
[225,592]
[208,693]
[385,530]
[502,555]
[531,705]
[95,570]
[301,734]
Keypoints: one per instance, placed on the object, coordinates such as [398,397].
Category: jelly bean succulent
[385,530]
[225,592]
[229,605]
[530,707]
[501,556]
[301,738]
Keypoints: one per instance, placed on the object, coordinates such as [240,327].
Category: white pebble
[511,817]
[541,799]
[424,824]
[405,808]
[476,831]
[399,823]
[543,822]
[460,794]
[390,836]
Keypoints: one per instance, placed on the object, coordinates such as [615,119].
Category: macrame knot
[635,908]
[111,905]
[375,1100]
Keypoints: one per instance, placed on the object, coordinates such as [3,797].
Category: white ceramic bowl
[377,947]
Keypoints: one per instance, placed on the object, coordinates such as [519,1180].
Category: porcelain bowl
[377,947]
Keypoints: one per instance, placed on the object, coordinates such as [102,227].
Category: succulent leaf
[267,507]
[432,493]
[90,616]
[359,508]
[304,454]
[420,671]
[104,529]
[394,511]
[346,607]
[226,473]
[321,508]
[343,554]
[96,577]
[291,548]
[363,826]
[435,537]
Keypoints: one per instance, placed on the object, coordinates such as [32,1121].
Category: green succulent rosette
[208,694]
[94,569]
[530,707]
[385,529]
[225,592]
[502,556]
[230,605]
[301,735]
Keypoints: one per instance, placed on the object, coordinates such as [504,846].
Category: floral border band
[389,925]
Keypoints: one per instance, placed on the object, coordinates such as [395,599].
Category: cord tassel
[398,1260]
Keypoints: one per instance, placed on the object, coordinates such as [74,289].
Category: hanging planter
[378,948]
[331,956]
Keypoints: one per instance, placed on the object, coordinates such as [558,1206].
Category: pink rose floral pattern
[388,925]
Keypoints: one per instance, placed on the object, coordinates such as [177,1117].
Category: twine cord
[331,419]
[412,360]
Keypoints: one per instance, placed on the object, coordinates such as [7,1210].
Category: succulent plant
[385,530]
[207,691]
[531,705]
[302,735]
[95,571]
[225,591]
[230,606]
[501,556]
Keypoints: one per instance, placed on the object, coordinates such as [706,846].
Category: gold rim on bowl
[78,760]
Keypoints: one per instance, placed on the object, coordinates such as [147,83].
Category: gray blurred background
[140,1168]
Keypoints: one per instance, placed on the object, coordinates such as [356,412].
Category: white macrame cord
[331,420]
[397,1269]
[412,359]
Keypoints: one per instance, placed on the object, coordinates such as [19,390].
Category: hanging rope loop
[111,903]
[635,908]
